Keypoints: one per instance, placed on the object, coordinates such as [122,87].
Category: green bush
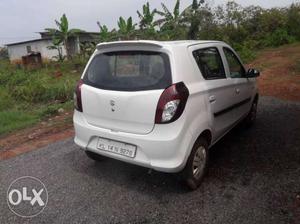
[246,54]
[60,91]
[49,110]
[6,101]
[32,92]
[277,38]
[41,87]
[246,50]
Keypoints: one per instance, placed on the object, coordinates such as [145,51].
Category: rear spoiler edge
[107,45]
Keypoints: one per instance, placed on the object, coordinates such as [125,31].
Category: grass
[29,96]
[11,120]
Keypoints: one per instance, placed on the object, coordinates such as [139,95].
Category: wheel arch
[207,135]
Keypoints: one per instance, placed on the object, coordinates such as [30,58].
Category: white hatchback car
[162,105]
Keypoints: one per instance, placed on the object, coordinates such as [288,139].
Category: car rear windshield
[129,71]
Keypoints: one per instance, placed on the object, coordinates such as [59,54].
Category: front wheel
[251,117]
[196,165]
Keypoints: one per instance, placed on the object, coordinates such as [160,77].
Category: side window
[210,63]
[236,69]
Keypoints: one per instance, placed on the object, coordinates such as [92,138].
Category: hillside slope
[280,72]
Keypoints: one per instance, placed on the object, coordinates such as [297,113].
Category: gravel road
[254,177]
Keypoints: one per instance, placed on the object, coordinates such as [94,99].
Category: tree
[62,34]
[170,19]
[87,49]
[3,53]
[126,28]
[57,46]
[171,22]
[192,16]
[293,20]
[147,17]
[105,35]
[147,24]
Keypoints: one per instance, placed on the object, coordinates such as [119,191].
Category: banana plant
[56,45]
[192,17]
[104,35]
[171,24]
[126,28]
[62,33]
[147,17]
[169,19]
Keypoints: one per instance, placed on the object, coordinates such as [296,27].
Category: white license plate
[120,148]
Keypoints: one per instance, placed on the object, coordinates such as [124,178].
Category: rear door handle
[237,91]
[212,99]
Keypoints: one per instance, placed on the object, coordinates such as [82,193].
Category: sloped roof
[28,41]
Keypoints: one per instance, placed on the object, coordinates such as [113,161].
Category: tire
[191,174]
[251,117]
[94,156]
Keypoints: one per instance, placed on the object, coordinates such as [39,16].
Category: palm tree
[126,28]
[62,34]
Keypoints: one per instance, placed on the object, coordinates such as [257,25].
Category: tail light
[171,103]
[77,96]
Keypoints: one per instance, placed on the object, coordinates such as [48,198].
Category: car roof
[160,44]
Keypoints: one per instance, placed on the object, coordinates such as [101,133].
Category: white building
[17,50]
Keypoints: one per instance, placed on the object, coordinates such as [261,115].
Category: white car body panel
[163,147]
[134,112]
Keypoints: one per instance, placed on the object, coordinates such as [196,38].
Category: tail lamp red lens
[171,103]
[77,96]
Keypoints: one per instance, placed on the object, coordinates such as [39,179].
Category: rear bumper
[165,149]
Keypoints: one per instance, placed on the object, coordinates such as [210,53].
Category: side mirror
[252,73]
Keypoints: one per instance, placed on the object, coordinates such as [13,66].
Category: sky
[21,20]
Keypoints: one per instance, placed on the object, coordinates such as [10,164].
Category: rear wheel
[94,156]
[197,164]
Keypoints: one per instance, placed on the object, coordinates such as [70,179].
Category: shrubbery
[246,28]
[27,96]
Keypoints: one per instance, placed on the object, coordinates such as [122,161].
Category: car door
[219,92]
[242,86]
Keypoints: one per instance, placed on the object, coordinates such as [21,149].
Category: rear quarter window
[129,71]
[210,63]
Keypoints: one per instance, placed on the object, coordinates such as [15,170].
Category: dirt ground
[280,72]
[280,77]
[52,130]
